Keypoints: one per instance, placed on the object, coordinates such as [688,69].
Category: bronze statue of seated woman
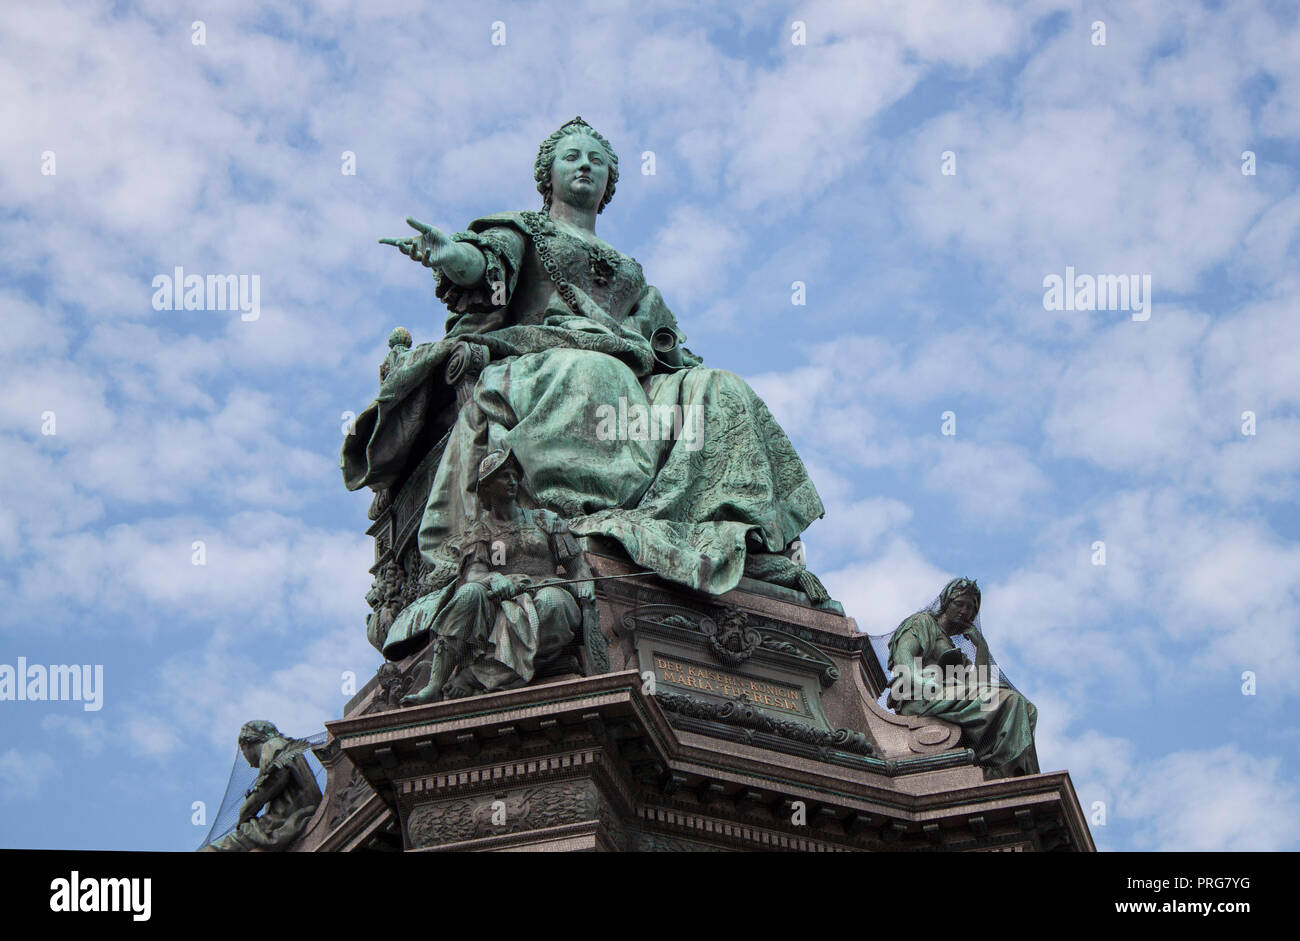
[574,334]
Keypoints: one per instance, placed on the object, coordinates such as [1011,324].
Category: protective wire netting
[242,776]
[880,647]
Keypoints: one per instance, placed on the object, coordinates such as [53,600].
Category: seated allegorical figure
[501,620]
[575,334]
[285,793]
[933,677]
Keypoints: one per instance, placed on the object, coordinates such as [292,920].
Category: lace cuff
[503,250]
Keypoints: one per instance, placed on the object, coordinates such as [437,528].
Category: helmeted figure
[996,720]
[500,620]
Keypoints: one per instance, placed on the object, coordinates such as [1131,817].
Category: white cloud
[260,568]
[89,734]
[693,256]
[210,692]
[23,774]
[989,480]
[1215,799]
[1212,593]
[880,593]
[774,163]
[1129,401]
[152,737]
[1074,174]
[1221,799]
[853,529]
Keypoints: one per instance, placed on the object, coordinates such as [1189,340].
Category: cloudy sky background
[774,163]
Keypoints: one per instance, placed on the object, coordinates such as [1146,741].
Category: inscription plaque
[781,685]
[701,678]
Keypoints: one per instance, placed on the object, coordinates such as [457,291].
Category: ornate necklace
[601,262]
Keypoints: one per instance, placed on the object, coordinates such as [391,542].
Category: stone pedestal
[747,721]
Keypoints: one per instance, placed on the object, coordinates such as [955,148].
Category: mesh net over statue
[938,664]
[234,828]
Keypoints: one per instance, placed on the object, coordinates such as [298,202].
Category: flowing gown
[999,728]
[711,475]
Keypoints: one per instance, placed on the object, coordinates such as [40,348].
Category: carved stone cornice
[658,785]
[740,713]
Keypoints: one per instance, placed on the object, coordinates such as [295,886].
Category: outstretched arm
[459,261]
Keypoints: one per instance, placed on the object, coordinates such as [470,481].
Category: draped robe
[998,724]
[688,502]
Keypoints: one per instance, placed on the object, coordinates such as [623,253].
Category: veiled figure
[996,721]
[618,429]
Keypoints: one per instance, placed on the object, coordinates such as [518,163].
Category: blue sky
[774,163]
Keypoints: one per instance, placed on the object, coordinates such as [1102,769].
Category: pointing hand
[424,249]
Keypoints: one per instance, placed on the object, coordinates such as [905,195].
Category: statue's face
[251,750]
[580,171]
[502,487]
[961,609]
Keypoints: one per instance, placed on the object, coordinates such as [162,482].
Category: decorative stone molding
[531,808]
[740,713]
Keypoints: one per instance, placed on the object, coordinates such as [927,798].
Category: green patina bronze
[996,721]
[504,618]
[618,429]
[281,801]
